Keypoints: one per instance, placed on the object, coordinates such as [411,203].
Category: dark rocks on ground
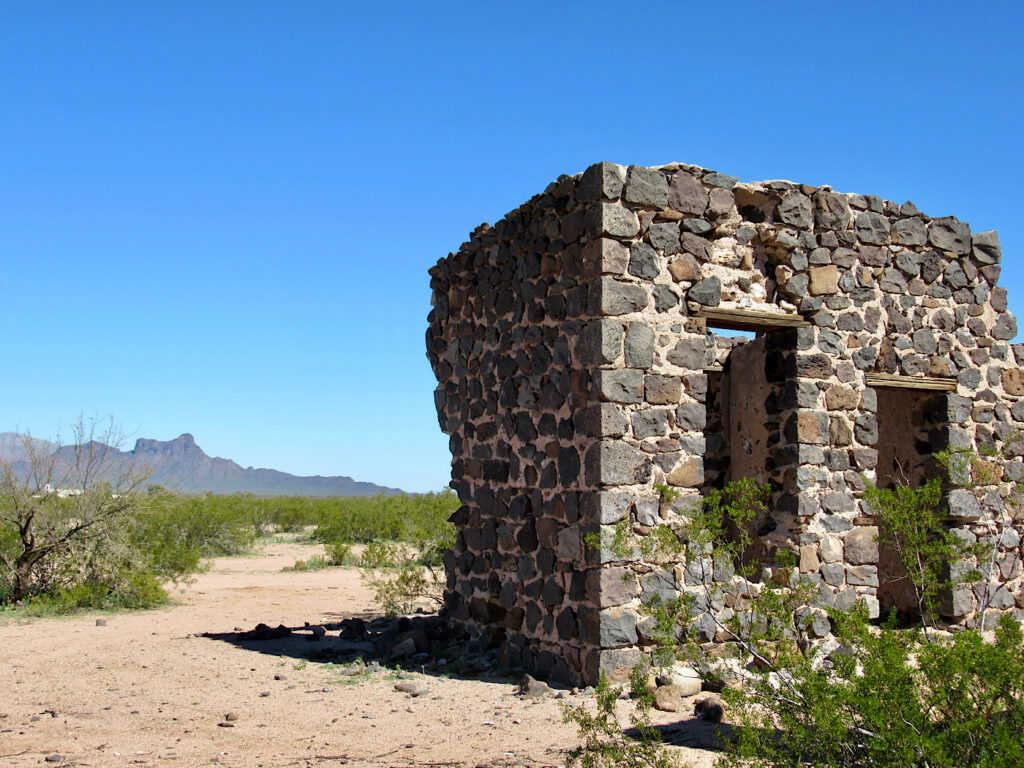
[265,632]
[352,629]
[709,710]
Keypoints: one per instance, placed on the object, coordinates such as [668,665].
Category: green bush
[163,537]
[314,563]
[890,699]
[875,695]
[340,553]
[417,519]
[124,591]
[177,533]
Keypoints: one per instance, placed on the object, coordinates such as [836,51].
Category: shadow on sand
[426,644]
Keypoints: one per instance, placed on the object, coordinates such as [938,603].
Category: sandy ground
[148,689]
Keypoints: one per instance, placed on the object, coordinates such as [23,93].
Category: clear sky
[217,217]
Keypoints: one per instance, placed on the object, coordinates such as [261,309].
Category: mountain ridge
[182,466]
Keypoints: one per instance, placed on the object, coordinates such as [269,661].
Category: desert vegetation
[80,529]
[874,693]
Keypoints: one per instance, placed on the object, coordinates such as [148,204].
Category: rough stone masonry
[582,355]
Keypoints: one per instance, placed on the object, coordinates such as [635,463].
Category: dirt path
[148,689]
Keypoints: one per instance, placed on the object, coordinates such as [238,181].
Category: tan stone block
[688,474]
[824,280]
[1013,382]
[662,390]
[839,398]
[831,549]
[840,432]
[809,562]
[684,268]
[810,427]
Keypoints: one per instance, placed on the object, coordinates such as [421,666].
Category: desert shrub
[604,743]
[340,553]
[417,519]
[294,513]
[314,563]
[876,694]
[402,583]
[64,512]
[177,532]
[128,590]
[890,698]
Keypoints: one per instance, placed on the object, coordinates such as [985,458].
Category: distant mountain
[182,466]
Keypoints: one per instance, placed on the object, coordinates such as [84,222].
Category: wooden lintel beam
[749,319]
[895,381]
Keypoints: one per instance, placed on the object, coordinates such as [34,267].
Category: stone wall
[577,370]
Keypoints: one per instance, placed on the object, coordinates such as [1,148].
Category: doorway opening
[912,427]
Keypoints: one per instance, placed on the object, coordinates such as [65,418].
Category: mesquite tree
[57,500]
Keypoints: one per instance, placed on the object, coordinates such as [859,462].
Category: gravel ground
[148,688]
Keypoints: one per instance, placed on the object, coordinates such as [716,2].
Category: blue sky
[217,217]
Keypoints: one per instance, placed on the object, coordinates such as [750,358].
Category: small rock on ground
[668,699]
[529,686]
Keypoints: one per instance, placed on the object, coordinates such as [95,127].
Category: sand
[147,688]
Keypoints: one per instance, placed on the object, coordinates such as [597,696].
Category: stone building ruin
[582,351]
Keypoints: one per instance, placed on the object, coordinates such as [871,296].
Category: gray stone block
[707,292]
[610,587]
[862,575]
[872,228]
[910,231]
[650,423]
[646,508]
[665,237]
[689,352]
[611,462]
[643,261]
[600,342]
[624,385]
[861,545]
[687,194]
[664,298]
[610,627]
[691,417]
[603,420]
[620,298]
[963,504]
[639,347]
[601,181]
[646,186]
[1005,327]
[796,210]
[658,583]
[948,234]
[606,507]
[831,211]
[986,247]
[834,574]
[610,219]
